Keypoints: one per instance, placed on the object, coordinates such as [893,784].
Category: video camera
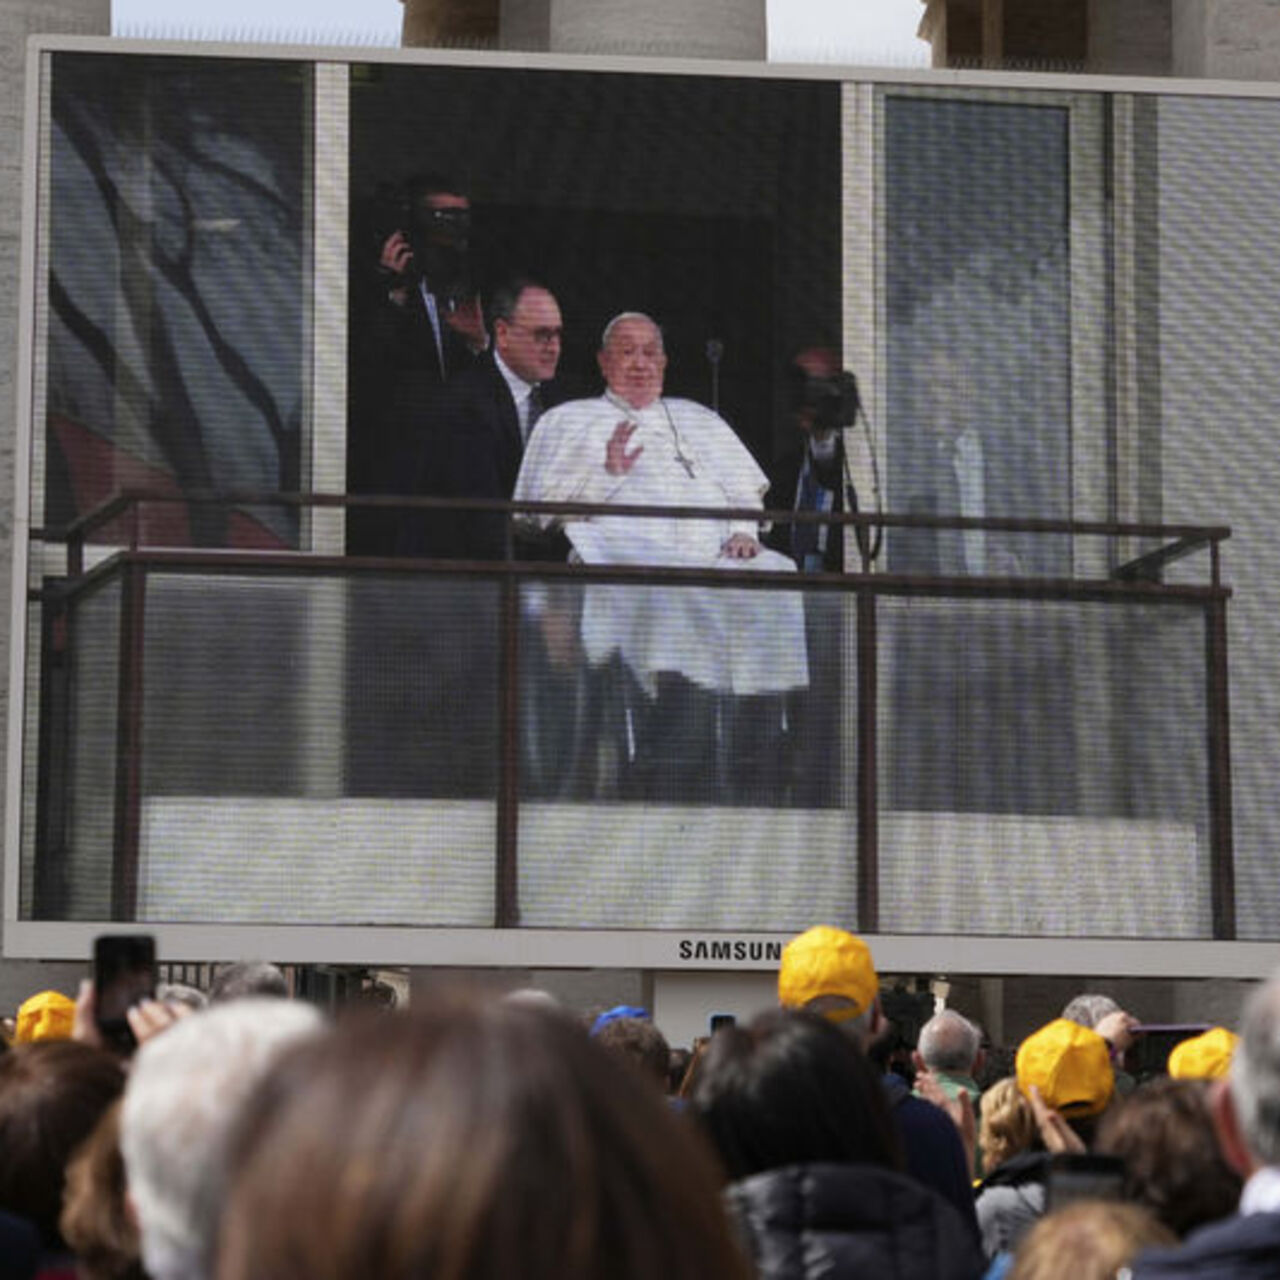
[832,402]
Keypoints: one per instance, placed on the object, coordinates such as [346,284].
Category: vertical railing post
[1221,837]
[129,703]
[868,749]
[507,881]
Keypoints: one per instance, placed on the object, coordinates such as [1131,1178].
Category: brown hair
[1089,1240]
[1164,1134]
[639,1043]
[52,1094]
[1006,1124]
[465,1141]
[95,1222]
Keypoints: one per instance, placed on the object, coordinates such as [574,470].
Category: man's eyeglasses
[543,337]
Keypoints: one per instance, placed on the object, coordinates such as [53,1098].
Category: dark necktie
[535,410]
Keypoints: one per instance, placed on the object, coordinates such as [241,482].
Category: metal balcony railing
[911,657]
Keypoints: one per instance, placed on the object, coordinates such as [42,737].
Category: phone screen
[124,972]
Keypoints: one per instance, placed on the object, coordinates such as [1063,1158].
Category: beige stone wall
[450,22]
[668,28]
[1131,39]
[1215,39]
[1241,40]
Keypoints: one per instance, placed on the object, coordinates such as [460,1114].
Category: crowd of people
[486,1134]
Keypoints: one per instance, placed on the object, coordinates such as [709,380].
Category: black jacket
[468,445]
[393,378]
[781,496]
[840,1221]
[1237,1248]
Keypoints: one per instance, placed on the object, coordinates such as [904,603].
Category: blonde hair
[1089,1240]
[1006,1125]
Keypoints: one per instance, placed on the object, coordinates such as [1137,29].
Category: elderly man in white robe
[633,446]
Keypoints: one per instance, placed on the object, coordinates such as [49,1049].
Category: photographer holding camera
[425,261]
[811,476]
[416,323]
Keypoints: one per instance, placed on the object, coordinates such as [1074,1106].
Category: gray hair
[247,978]
[1089,1009]
[184,1094]
[181,993]
[1255,1073]
[534,997]
[629,315]
[949,1042]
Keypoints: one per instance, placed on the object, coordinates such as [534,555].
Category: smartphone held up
[124,973]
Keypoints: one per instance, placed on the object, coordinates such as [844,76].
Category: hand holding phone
[124,973]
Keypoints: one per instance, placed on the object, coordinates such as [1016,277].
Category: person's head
[1204,1057]
[1091,1240]
[439,216]
[791,1088]
[247,978]
[633,359]
[468,1139]
[822,396]
[96,1223]
[52,1095]
[639,1043]
[185,1091]
[1070,1066]
[829,971]
[527,329]
[47,1015]
[535,997]
[181,993]
[949,1042]
[1006,1123]
[1246,1107]
[1089,1008]
[1163,1132]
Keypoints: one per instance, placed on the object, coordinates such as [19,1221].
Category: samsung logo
[728,949]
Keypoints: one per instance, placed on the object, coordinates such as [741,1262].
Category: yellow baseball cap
[1070,1065]
[1204,1057]
[45,1016]
[825,961]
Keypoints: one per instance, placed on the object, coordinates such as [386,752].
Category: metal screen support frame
[128,794]
[868,751]
[1222,886]
[507,878]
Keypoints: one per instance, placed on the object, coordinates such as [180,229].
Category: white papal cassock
[742,642]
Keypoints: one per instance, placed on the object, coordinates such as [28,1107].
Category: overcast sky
[880,32]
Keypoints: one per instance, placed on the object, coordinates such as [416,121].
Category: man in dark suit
[474,431]
[422,680]
[416,324]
